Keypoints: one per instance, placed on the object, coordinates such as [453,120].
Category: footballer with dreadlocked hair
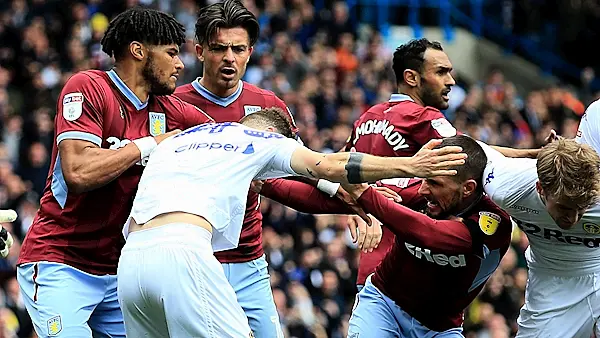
[107,124]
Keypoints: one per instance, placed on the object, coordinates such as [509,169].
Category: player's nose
[424,189]
[229,56]
[572,218]
[450,81]
[179,64]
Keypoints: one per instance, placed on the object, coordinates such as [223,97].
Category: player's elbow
[75,180]
[75,183]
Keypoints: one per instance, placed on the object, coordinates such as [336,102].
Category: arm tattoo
[353,168]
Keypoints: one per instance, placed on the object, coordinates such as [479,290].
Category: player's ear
[469,188]
[199,51]
[137,50]
[411,77]
[538,187]
[250,53]
[271,129]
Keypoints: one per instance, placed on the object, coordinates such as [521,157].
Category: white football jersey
[589,127]
[511,183]
[207,170]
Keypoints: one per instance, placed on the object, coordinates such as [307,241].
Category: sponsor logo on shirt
[393,138]
[439,259]
[557,235]
[443,127]
[72,106]
[488,222]
[228,147]
[263,134]
[210,127]
[526,209]
[489,177]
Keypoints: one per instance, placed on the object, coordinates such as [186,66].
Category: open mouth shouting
[445,94]
[433,207]
[228,73]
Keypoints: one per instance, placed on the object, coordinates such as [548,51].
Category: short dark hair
[474,164]
[411,56]
[144,25]
[271,117]
[226,14]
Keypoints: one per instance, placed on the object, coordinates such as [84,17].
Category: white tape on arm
[327,187]
[146,145]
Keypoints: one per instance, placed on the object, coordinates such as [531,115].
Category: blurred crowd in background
[328,71]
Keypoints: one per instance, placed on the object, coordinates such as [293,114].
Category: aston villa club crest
[251,109]
[54,325]
[158,124]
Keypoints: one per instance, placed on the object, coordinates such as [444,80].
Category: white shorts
[171,285]
[560,306]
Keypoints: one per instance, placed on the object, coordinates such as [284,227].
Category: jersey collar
[137,103]
[220,101]
[399,98]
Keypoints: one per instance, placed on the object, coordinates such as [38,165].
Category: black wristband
[353,168]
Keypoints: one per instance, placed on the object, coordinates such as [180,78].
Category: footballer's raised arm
[359,167]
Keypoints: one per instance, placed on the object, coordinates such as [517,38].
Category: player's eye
[239,49]
[431,182]
[218,49]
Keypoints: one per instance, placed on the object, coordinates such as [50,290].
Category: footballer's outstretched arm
[303,197]
[448,235]
[86,166]
[359,167]
[517,153]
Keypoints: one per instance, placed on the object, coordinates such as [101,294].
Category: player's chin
[565,225]
[444,103]
[164,89]
[229,84]
[170,88]
[433,210]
